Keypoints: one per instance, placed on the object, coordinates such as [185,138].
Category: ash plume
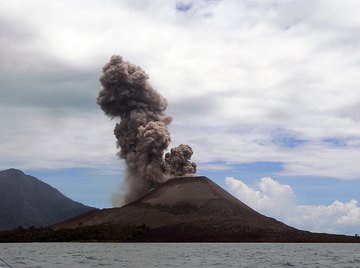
[177,162]
[142,134]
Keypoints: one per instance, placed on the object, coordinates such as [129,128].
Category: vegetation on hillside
[98,233]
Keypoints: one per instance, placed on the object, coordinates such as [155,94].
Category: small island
[183,209]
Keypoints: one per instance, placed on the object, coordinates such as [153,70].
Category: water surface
[180,255]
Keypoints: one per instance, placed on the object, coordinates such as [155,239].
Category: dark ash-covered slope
[196,209]
[26,201]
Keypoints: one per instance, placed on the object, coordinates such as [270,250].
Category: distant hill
[26,201]
[197,209]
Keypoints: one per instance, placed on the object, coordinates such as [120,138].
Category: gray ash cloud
[177,161]
[142,133]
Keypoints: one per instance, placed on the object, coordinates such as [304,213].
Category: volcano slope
[196,209]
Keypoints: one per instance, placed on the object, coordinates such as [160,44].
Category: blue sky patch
[183,7]
[335,141]
[316,190]
[89,186]
[308,190]
[267,167]
[247,172]
[286,139]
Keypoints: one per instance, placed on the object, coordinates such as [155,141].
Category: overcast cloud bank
[267,80]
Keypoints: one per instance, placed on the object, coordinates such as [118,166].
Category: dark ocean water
[180,255]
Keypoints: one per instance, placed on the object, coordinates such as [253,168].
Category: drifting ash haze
[142,134]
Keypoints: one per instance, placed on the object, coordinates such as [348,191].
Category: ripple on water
[180,255]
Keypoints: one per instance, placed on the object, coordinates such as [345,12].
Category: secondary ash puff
[142,133]
[177,161]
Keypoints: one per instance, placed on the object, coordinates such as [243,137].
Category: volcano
[196,209]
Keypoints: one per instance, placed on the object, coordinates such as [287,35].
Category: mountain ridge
[27,201]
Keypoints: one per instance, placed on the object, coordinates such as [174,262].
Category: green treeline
[98,233]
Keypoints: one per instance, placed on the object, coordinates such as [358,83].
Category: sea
[179,255]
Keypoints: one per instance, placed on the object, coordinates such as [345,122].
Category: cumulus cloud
[277,200]
[271,197]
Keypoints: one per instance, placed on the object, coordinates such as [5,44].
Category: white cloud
[253,68]
[277,200]
[272,198]
[50,141]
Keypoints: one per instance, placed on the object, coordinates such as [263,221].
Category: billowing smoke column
[177,162]
[142,134]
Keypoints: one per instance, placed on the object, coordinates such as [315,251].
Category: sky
[265,92]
